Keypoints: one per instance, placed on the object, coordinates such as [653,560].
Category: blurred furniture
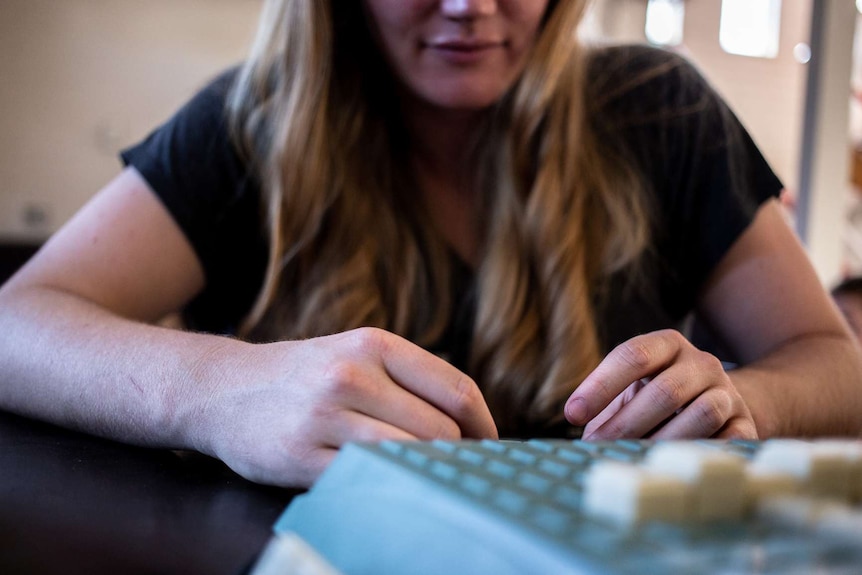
[71,503]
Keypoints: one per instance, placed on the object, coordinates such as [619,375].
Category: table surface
[71,503]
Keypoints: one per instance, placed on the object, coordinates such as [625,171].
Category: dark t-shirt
[704,175]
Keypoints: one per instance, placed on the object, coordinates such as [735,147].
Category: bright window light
[664,22]
[750,27]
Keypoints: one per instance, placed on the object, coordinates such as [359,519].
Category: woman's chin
[464,102]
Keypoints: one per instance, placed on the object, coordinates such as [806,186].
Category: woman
[450,187]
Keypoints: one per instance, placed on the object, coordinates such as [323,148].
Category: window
[664,22]
[750,27]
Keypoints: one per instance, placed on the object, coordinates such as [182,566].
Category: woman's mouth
[463,52]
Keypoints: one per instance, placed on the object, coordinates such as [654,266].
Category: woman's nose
[467,8]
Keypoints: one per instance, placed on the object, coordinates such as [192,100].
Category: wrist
[212,370]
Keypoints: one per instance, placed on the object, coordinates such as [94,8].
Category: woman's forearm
[809,386]
[70,362]
[274,413]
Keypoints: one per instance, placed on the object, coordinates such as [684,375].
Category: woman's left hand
[659,386]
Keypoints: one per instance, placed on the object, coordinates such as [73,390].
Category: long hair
[313,111]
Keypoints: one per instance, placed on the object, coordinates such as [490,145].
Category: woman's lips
[464,51]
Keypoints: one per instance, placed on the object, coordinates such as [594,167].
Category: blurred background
[82,79]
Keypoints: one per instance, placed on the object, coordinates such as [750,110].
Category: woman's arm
[801,368]
[80,350]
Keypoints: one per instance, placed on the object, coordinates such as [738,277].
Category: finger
[598,421]
[345,426]
[392,404]
[658,401]
[704,417]
[639,357]
[612,408]
[434,380]
[738,428]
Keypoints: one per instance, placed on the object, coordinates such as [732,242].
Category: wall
[84,78]
[621,21]
[767,94]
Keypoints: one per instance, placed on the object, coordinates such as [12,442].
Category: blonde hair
[349,249]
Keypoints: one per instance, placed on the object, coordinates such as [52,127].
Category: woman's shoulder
[633,56]
[641,80]
[210,101]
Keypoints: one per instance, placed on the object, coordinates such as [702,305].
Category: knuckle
[370,340]
[605,387]
[465,397]
[669,392]
[710,415]
[705,362]
[343,378]
[674,337]
[635,354]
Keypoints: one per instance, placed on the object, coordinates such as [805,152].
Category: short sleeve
[711,177]
[704,176]
[193,167]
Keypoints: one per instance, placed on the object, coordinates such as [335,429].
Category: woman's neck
[441,142]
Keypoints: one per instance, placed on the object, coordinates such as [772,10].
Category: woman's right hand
[282,412]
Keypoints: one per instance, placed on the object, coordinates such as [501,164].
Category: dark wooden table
[71,503]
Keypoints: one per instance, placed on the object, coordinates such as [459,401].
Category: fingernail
[576,411]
